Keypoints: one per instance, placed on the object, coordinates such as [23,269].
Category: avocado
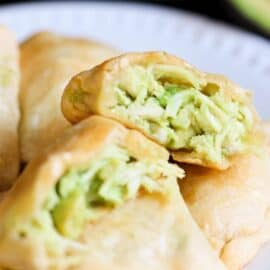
[69,214]
[257,11]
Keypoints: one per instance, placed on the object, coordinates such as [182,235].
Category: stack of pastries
[135,162]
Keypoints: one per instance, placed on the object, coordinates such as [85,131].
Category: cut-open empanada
[201,118]
[101,197]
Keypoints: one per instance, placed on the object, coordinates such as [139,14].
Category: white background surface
[208,45]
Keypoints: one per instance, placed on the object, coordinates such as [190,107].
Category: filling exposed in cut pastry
[83,194]
[171,105]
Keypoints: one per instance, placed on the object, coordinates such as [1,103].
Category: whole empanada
[48,61]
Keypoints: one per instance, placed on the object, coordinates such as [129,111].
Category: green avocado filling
[170,104]
[256,10]
[82,195]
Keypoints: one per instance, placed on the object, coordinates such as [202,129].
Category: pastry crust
[9,116]
[95,88]
[266,128]
[142,232]
[48,61]
[232,207]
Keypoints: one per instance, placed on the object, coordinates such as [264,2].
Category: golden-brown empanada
[48,62]
[102,197]
[232,207]
[9,108]
[201,118]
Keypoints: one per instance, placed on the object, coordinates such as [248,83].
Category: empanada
[232,207]
[9,108]
[202,118]
[48,62]
[102,197]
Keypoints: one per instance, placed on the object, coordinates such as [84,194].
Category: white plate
[209,45]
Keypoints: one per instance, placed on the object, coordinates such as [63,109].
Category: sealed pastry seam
[201,118]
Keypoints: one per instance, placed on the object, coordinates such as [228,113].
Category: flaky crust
[9,116]
[48,61]
[232,207]
[96,95]
[143,232]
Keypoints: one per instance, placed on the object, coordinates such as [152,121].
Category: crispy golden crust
[143,232]
[232,207]
[9,116]
[48,61]
[94,95]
